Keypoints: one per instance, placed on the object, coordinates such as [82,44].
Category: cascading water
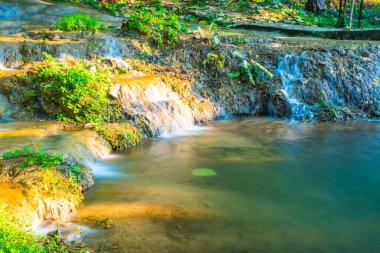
[291,75]
[5,107]
[151,103]
[335,78]
[113,50]
[148,99]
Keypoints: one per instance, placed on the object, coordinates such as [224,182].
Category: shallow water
[280,187]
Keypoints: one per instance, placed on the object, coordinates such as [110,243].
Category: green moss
[78,22]
[327,111]
[46,173]
[49,181]
[119,135]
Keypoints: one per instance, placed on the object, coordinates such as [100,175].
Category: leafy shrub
[81,95]
[78,22]
[155,22]
[13,238]
[16,239]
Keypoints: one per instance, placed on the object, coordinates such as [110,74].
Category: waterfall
[3,56]
[5,107]
[148,100]
[112,49]
[291,76]
[339,79]
[2,59]
[152,104]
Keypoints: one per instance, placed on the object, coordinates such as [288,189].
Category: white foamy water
[290,73]
[157,106]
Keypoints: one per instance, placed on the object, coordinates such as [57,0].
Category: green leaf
[26,150]
[8,154]
[255,63]
[203,172]
[75,168]
[234,74]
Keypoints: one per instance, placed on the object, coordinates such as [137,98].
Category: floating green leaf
[203,172]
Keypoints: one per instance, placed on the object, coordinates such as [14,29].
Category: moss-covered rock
[51,186]
[119,136]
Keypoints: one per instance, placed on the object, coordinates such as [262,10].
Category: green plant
[328,111]
[94,45]
[41,159]
[81,95]
[215,61]
[156,23]
[250,68]
[238,41]
[78,22]
[15,237]
[209,35]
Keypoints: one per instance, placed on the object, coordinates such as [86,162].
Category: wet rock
[304,78]
[71,235]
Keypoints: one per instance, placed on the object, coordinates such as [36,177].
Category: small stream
[233,186]
[279,187]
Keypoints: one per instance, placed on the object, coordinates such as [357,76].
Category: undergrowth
[78,94]
[16,238]
[156,23]
[269,10]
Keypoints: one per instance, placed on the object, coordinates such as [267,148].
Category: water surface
[280,187]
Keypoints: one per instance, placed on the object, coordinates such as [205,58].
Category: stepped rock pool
[246,185]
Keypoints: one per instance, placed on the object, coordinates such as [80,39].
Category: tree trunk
[351,13]
[360,13]
[315,5]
